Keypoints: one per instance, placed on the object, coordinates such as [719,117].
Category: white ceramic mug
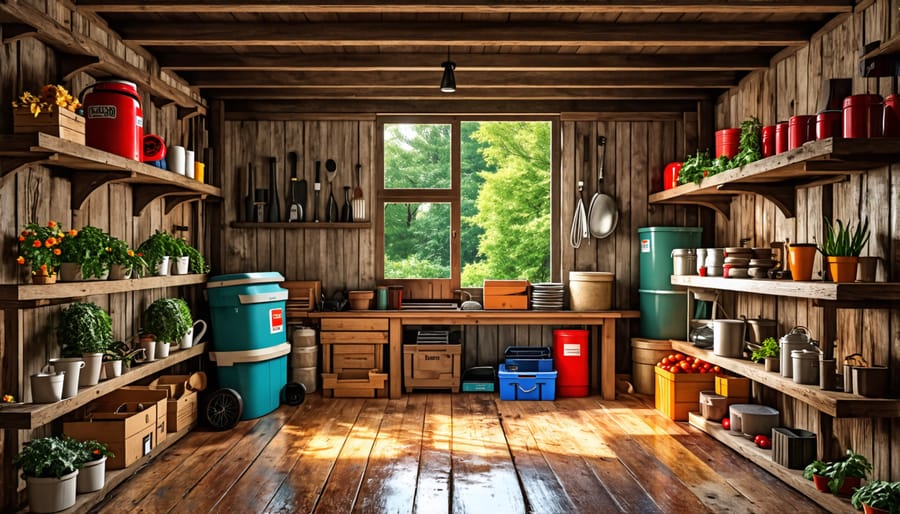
[189,163]
[175,159]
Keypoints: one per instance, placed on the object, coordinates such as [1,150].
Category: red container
[670,176]
[570,356]
[891,123]
[800,130]
[829,124]
[863,116]
[781,138]
[114,120]
[727,142]
[768,141]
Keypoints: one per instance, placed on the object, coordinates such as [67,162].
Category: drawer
[355,356]
[354,324]
[340,338]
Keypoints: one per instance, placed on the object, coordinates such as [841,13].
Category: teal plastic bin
[657,244]
[257,375]
[663,314]
[247,311]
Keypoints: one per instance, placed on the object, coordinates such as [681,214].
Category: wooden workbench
[602,373]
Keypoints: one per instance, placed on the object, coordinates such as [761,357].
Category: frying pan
[604,214]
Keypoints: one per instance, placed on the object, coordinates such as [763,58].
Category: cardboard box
[129,434]
[679,393]
[140,395]
[181,404]
[432,366]
[732,386]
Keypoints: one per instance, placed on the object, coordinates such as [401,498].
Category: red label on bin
[276,321]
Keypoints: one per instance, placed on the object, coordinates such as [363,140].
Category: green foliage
[165,319]
[750,146]
[91,450]
[843,241]
[48,457]
[198,263]
[417,156]
[768,348]
[697,167]
[85,328]
[879,494]
[815,467]
[89,247]
[853,466]
[123,255]
[39,247]
[160,244]
[415,267]
[120,351]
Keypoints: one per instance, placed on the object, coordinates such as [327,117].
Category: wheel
[224,408]
[293,393]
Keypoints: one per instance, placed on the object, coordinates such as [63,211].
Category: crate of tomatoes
[679,380]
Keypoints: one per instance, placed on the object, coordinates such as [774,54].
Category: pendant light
[448,81]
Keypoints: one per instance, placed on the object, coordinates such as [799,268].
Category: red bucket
[829,124]
[728,142]
[114,121]
[800,130]
[570,356]
[781,137]
[768,141]
[863,116]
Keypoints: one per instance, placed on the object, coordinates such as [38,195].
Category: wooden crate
[732,386]
[431,366]
[355,384]
[506,294]
[61,123]
[303,295]
[679,393]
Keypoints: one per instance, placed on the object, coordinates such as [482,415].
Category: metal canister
[797,339]
[381,298]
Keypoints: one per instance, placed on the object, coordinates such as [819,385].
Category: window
[463,201]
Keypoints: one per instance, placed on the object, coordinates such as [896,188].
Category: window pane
[417,240]
[505,201]
[416,156]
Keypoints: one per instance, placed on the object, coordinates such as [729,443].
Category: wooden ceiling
[510,55]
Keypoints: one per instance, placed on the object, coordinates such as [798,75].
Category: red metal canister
[800,130]
[863,116]
[114,120]
[781,137]
[768,141]
[728,142]
[670,175]
[570,356]
[829,124]
[892,116]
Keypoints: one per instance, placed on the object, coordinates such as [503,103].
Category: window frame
[440,288]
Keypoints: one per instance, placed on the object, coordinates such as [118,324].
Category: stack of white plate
[547,296]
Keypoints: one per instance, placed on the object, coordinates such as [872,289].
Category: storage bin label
[645,246]
[571,350]
[276,321]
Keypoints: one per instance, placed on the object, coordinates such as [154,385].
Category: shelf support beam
[719,203]
[785,198]
[70,64]
[174,200]
[143,194]
[86,182]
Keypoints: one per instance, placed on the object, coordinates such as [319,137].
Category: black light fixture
[448,81]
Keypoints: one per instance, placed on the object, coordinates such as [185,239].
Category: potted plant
[157,250]
[85,255]
[85,331]
[124,261]
[118,356]
[165,319]
[92,466]
[877,496]
[842,248]
[49,466]
[180,252]
[39,247]
[839,477]
[197,262]
[768,351]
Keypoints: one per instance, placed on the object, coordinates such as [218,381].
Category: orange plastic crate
[679,393]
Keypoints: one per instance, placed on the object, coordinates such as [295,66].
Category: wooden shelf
[31,295]
[763,459]
[834,403]
[856,294]
[889,47]
[89,168]
[301,225]
[777,177]
[33,415]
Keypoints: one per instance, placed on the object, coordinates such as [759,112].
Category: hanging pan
[604,215]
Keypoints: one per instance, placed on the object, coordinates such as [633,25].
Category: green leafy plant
[120,351]
[85,328]
[750,146]
[123,255]
[815,467]
[768,348]
[702,165]
[48,457]
[39,246]
[165,319]
[160,244]
[88,247]
[696,167]
[198,263]
[92,450]
[853,466]
[879,494]
[843,241]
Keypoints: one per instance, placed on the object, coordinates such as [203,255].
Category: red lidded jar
[863,116]
[728,142]
[768,141]
[892,116]
[670,178]
[781,137]
[829,124]
[800,130]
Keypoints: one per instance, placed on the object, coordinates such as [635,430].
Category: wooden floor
[437,452]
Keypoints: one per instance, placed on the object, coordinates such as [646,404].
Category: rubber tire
[293,393]
[223,409]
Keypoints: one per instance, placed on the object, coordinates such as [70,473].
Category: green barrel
[657,244]
[663,314]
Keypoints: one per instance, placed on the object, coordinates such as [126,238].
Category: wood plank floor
[460,453]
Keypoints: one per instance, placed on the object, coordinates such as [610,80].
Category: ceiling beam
[392,34]
[432,93]
[479,62]
[464,79]
[458,6]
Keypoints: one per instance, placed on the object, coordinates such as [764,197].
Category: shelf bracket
[15,31]
[719,203]
[160,101]
[86,182]
[175,200]
[70,64]
[785,198]
[185,113]
[143,194]
[13,164]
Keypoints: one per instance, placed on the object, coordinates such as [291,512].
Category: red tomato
[671,357]
[717,369]
[665,360]
[702,370]
[726,423]
[695,365]
[707,366]
[679,356]
[763,442]
[675,369]
[684,366]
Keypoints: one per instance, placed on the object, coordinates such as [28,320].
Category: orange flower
[21,238]
[131,253]
[37,243]
[21,260]
[43,267]
[51,223]
[50,242]
[73,232]
[57,251]
[96,451]
[108,249]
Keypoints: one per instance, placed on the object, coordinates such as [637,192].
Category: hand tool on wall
[359,203]
[347,209]
[604,214]
[331,209]
[579,230]
[274,213]
[249,208]
[295,209]
[317,186]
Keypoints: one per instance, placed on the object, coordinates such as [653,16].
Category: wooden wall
[793,86]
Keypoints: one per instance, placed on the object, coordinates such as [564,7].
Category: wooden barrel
[645,353]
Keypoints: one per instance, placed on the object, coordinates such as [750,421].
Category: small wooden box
[61,123]
[793,448]
[303,296]
[505,302]
[431,366]
[678,394]
[355,384]
[731,386]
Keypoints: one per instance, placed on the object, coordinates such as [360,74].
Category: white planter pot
[189,339]
[90,375]
[162,350]
[51,494]
[149,351]
[71,366]
[70,272]
[181,265]
[92,476]
[112,369]
[163,268]
[47,387]
[119,272]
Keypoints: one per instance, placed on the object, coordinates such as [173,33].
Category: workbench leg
[608,359]
[594,356]
[395,356]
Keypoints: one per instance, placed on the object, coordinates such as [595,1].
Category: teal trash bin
[657,244]
[250,348]
[663,314]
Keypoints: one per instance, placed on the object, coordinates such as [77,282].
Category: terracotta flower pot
[850,483]
[801,258]
[42,277]
[843,269]
[868,509]
[821,483]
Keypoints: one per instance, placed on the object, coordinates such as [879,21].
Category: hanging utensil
[359,203]
[274,214]
[317,186]
[604,214]
[295,211]
[579,218]
[331,208]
